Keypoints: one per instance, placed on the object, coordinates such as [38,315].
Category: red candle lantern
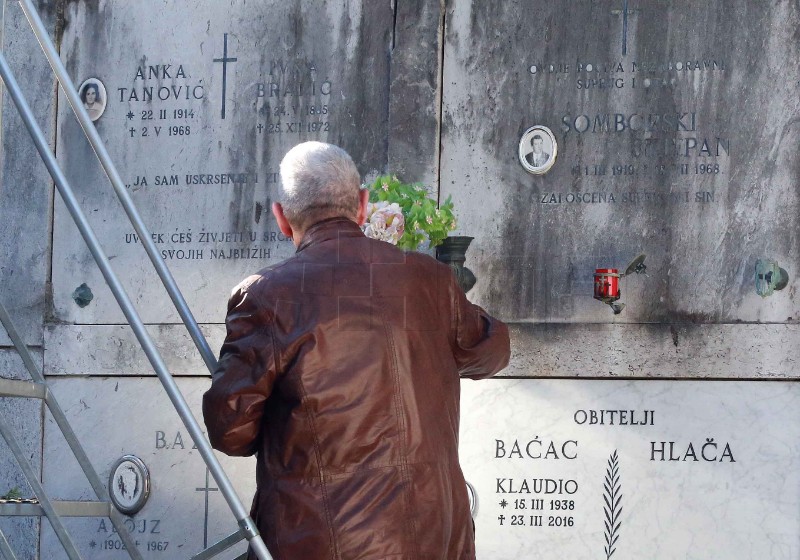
[606,284]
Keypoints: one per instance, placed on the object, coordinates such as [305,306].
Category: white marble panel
[684,469]
[119,416]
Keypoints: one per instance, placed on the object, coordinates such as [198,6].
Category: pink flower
[384,222]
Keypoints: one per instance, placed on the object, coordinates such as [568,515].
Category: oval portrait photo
[538,150]
[93,95]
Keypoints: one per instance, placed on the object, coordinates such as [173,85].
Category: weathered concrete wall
[24,418]
[200,102]
[694,167]
[415,91]
[648,350]
[25,186]
[25,225]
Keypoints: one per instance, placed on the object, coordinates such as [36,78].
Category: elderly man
[340,371]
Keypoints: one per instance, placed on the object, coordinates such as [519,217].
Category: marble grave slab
[670,129]
[121,416]
[633,469]
[199,106]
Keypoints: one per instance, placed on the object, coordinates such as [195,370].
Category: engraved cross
[224,60]
[206,489]
[625,13]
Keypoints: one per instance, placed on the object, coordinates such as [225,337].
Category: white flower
[385,222]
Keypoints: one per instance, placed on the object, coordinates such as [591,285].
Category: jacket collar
[326,230]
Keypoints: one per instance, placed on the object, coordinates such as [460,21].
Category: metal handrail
[36,486]
[135,321]
[38,389]
[5,549]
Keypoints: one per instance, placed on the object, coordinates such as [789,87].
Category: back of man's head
[318,181]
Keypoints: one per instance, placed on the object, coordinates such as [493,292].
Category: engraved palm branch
[613,504]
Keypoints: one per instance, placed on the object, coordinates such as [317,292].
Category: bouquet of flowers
[404,215]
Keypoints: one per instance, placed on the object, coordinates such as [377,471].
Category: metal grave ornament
[473,500]
[770,277]
[606,283]
[129,484]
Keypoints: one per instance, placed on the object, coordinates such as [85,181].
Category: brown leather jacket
[341,371]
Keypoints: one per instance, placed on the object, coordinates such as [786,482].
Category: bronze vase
[453,251]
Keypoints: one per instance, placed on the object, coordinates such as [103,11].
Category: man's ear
[363,202]
[283,223]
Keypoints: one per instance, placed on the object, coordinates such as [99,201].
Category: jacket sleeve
[481,344]
[243,380]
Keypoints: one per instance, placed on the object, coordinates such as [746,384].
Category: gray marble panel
[117,416]
[675,124]
[655,351]
[24,418]
[202,104]
[114,350]
[694,469]
[25,186]
[415,91]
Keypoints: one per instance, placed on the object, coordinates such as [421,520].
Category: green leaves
[426,224]
[13,494]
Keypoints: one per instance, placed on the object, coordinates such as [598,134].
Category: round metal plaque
[129,484]
[473,500]
[538,150]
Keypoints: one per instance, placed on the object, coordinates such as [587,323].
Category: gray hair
[318,181]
